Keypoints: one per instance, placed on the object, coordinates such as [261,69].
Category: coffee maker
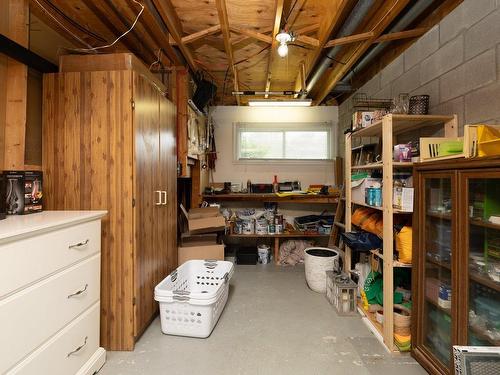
[3,188]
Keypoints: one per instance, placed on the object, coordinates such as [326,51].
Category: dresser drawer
[30,317]
[25,261]
[68,351]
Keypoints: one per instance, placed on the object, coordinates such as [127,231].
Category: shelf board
[397,165]
[303,198]
[395,263]
[438,263]
[438,215]
[442,309]
[396,211]
[282,235]
[402,124]
[484,280]
[484,224]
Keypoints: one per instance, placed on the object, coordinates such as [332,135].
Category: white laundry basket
[318,260]
[193,296]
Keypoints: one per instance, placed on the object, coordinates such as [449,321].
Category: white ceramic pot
[317,261]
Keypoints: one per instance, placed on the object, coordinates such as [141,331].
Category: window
[277,141]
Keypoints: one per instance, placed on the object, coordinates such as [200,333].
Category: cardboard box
[23,192]
[200,247]
[402,199]
[362,119]
[204,220]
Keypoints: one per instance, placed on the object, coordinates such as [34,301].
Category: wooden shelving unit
[274,198]
[387,129]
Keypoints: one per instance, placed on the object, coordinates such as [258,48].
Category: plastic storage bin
[193,296]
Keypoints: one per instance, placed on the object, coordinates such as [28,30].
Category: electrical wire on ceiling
[157,61]
[94,49]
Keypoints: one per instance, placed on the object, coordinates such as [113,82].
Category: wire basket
[419,105]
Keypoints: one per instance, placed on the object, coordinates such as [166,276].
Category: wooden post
[276,249]
[348,204]
[13,24]
[388,273]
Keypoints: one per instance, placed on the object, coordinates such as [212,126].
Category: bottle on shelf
[276,187]
[249,186]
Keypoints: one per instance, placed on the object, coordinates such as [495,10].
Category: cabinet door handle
[158,202]
[79,292]
[79,348]
[164,200]
[79,244]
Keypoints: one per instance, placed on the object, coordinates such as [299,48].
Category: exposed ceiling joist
[276,29]
[224,23]
[385,15]
[201,34]
[308,40]
[335,10]
[307,29]
[167,13]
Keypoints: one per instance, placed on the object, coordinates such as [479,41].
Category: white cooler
[193,296]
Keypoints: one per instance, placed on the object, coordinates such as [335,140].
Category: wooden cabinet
[455,282]
[109,143]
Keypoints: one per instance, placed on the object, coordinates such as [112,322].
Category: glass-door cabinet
[456,259]
[481,239]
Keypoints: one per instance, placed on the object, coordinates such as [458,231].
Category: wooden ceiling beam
[308,40]
[201,34]
[335,11]
[349,39]
[167,13]
[402,35]
[278,13]
[385,15]
[252,34]
[226,34]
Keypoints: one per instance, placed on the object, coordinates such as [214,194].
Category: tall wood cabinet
[456,274]
[109,143]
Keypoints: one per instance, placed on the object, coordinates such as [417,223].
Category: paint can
[271,229]
[248,226]
[377,197]
[261,226]
[279,229]
[264,253]
[238,227]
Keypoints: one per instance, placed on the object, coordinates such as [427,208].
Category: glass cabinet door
[482,245]
[438,293]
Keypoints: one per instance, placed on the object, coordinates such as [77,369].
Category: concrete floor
[272,324]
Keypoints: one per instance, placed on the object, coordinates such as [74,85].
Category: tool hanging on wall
[211,149]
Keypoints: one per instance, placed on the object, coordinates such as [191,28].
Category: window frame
[239,127]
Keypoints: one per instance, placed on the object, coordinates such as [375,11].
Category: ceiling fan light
[283,50]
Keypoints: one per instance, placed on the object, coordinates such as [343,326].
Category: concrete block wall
[457,63]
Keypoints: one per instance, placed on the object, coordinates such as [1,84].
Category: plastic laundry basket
[193,296]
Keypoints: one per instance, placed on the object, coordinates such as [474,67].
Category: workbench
[274,198]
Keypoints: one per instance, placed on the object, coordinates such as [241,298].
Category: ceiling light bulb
[283,50]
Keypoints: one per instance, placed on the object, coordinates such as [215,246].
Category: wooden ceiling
[231,42]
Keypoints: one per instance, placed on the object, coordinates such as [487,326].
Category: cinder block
[482,105]
[431,89]
[443,60]
[408,82]
[422,48]
[475,73]
[455,106]
[392,71]
[463,17]
[372,86]
[483,36]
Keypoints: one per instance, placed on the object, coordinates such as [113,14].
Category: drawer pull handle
[79,348]
[79,244]
[79,292]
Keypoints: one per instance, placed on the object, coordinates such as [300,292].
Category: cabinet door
[168,175]
[147,193]
[436,282]
[480,258]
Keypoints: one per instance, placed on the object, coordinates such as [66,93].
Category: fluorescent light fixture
[280,103]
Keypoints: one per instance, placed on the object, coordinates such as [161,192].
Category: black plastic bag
[361,241]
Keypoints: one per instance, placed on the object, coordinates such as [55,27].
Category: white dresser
[49,293]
